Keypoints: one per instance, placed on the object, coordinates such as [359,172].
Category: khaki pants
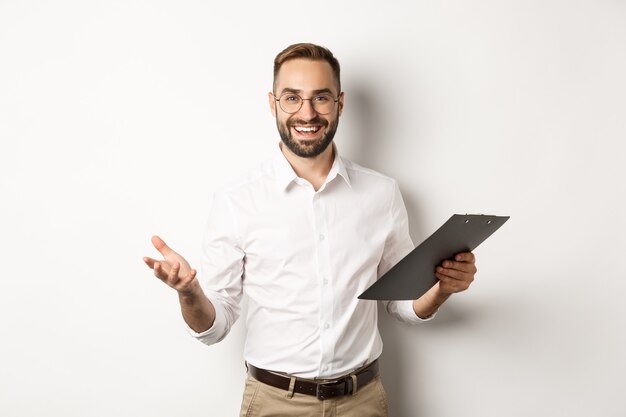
[262,400]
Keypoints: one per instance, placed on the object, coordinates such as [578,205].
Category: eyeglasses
[292,103]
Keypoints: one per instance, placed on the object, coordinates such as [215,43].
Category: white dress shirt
[302,258]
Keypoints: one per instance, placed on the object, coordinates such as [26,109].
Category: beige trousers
[262,400]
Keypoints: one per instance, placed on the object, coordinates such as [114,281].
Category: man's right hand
[174,270]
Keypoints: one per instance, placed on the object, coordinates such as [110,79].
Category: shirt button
[326,326]
[325,281]
[322,237]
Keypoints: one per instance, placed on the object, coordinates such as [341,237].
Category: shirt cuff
[405,309]
[214,333]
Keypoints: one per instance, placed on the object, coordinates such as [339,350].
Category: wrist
[429,303]
[438,296]
[192,292]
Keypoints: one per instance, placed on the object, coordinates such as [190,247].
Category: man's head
[307,99]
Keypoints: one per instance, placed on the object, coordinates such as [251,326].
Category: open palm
[173,269]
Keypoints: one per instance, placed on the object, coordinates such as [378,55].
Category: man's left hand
[457,275]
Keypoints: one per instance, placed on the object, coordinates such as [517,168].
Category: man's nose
[307,111]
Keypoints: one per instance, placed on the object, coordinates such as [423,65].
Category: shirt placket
[324,277]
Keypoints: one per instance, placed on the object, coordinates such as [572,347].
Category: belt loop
[353,384]
[292,386]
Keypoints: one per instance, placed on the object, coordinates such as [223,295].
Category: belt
[341,386]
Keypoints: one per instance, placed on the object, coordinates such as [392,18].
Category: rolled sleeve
[403,310]
[398,244]
[221,270]
[218,331]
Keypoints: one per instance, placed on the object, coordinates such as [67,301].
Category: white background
[119,118]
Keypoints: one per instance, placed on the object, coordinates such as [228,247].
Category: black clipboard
[410,278]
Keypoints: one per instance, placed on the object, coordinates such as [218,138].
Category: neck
[315,169]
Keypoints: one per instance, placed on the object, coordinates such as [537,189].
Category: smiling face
[306,133]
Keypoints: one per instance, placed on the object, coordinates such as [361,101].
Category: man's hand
[456,276]
[174,270]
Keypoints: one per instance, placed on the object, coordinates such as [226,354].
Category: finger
[172,277]
[160,245]
[161,271]
[186,281]
[149,261]
[455,274]
[460,266]
[465,257]
[450,285]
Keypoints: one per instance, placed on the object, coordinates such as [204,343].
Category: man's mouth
[307,132]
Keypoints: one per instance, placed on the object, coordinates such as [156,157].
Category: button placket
[326,295]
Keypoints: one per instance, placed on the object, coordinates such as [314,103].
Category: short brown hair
[307,51]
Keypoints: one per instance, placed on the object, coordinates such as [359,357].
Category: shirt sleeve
[221,270]
[398,244]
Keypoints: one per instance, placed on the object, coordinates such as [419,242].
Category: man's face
[306,133]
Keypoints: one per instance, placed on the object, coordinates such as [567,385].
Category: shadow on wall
[401,341]
[369,126]
[371,120]
[403,354]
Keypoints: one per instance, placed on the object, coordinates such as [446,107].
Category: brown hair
[307,51]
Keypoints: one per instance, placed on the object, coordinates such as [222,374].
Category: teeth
[307,129]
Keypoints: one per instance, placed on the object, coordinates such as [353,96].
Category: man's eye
[291,98]
[322,99]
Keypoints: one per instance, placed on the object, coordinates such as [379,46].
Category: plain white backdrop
[118,119]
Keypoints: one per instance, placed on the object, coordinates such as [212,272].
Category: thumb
[160,245]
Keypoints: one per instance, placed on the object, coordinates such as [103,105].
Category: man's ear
[340,102]
[270,96]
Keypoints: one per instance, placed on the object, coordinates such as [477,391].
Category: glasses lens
[290,103]
[323,103]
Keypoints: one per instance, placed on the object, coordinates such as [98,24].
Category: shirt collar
[285,173]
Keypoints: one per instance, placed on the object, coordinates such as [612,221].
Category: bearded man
[303,235]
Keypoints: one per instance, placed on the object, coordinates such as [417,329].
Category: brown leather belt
[341,386]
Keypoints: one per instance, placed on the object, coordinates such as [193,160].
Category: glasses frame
[302,103]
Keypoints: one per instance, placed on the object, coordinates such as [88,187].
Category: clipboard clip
[477,214]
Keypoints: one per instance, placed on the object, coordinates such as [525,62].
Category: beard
[311,148]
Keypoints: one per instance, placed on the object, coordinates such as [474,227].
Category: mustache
[315,121]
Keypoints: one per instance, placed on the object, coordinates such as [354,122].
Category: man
[303,235]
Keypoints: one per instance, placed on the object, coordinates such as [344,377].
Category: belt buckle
[318,392]
[345,382]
